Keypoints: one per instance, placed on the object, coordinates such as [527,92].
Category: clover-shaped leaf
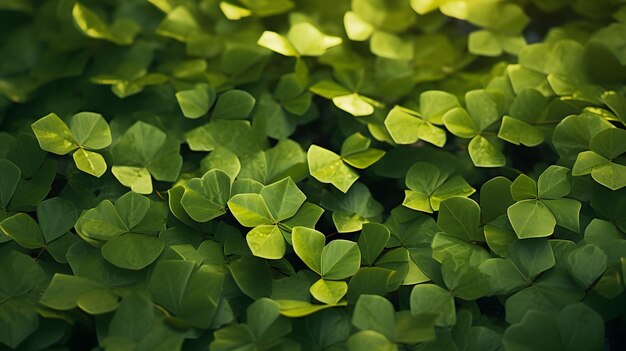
[605,147]
[271,214]
[21,282]
[338,260]
[205,198]
[481,112]
[125,230]
[56,217]
[303,39]
[407,127]
[142,153]
[429,185]
[328,167]
[87,131]
[174,285]
[539,209]
[525,116]
[352,209]
[381,325]
[346,99]
[67,292]
[120,32]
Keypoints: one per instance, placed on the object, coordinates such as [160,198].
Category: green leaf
[250,210]
[531,219]
[90,162]
[554,183]
[56,217]
[354,104]
[328,291]
[234,104]
[296,309]
[460,217]
[328,167]
[484,43]
[576,317]
[309,41]
[253,276]
[24,230]
[495,198]
[373,312]
[146,146]
[484,153]
[459,122]
[168,282]
[132,208]
[277,43]
[222,159]
[430,298]
[566,212]
[532,256]
[430,185]
[196,102]
[434,104]
[609,143]
[283,198]
[101,223]
[391,46]
[10,176]
[308,245]
[523,188]
[205,198]
[519,132]
[356,28]
[372,241]
[90,130]
[266,241]
[586,264]
[368,340]
[64,291]
[54,135]
[340,259]
[132,251]
[20,278]
[136,178]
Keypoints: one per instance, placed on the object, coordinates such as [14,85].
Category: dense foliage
[312,175]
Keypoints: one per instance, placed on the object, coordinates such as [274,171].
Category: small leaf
[554,183]
[460,217]
[234,104]
[328,291]
[10,176]
[132,251]
[484,154]
[90,162]
[90,130]
[354,104]
[24,230]
[308,245]
[430,298]
[250,210]
[266,241]
[372,241]
[531,219]
[196,102]
[277,43]
[340,260]
[54,135]
[136,178]
[373,312]
[328,167]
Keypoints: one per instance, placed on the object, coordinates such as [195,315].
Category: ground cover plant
[312,175]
